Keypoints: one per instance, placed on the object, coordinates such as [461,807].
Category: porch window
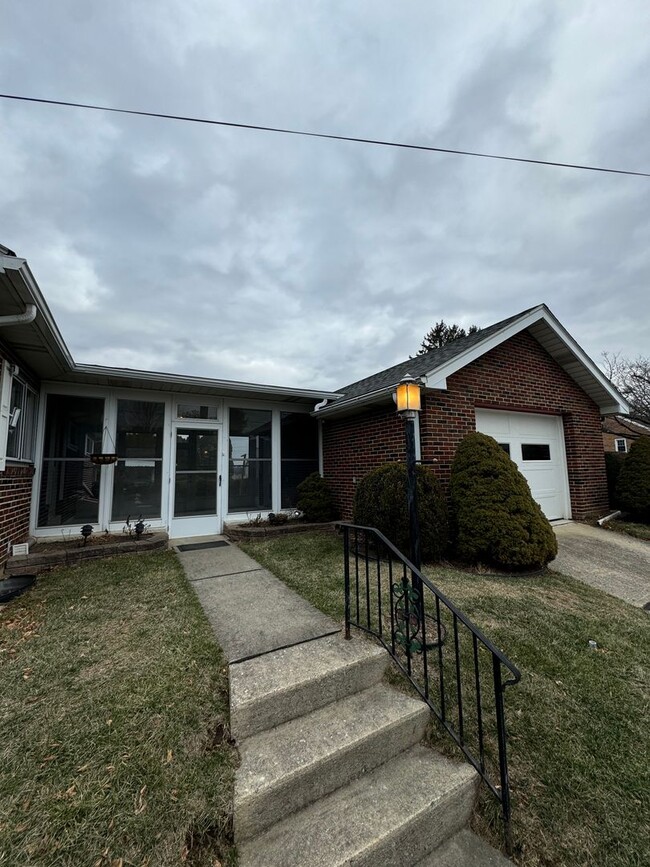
[137,483]
[249,466]
[299,450]
[69,482]
[22,421]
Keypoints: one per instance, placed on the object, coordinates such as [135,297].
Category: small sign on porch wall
[21,550]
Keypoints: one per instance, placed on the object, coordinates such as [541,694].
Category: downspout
[19,318]
[318,406]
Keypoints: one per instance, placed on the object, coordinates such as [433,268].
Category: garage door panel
[535,445]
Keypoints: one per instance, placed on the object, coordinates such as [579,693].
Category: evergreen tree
[441,334]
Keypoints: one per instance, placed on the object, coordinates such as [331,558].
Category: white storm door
[195,481]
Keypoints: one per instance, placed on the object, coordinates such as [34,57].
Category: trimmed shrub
[633,487]
[613,465]
[495,518]
[380,501]
[315,499]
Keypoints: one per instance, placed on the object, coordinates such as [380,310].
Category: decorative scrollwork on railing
[408,621]
[407,617]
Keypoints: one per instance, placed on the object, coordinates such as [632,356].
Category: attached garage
[536,444]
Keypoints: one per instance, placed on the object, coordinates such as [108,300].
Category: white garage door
[536,444]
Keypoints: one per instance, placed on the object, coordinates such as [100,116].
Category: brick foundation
[15,497]
[519,375]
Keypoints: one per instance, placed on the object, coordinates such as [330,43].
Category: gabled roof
[434,367]
[623,425]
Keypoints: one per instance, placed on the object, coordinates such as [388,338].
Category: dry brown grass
[112,690]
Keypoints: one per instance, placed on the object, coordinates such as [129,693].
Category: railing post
[503,761]
[346,567]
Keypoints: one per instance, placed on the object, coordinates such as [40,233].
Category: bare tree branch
[632,378]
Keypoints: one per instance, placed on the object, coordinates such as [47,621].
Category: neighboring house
[194,452]
[619,433]
[524,381]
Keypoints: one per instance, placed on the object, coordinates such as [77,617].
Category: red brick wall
[15,496]
[614,430]
[353,446]
[518,375]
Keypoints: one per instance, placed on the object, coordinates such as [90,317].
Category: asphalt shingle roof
[420,365]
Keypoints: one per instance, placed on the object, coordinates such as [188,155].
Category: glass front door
[196,482]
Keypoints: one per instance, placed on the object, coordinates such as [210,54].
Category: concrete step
[280,686]
[393,816]
[465,849]
[295,764]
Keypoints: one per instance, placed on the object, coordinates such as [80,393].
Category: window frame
[26,436]
[618,440]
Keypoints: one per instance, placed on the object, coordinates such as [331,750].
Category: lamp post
[408,402]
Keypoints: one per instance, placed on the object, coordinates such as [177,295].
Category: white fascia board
[34,295]
[582,356]
[342,406]
[437,378]
[176,379]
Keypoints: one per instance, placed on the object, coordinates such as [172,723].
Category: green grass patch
[579,740]
[638,531]
[114,721]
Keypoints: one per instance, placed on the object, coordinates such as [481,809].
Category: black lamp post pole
[411,490]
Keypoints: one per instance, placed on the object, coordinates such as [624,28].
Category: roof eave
[354,404]
[610,401]
[24,283]
[174,380]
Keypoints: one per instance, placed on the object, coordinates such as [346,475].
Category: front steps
[332,772]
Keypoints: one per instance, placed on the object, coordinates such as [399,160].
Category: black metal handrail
[423,635]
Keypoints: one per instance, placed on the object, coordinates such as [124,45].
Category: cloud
[239,254]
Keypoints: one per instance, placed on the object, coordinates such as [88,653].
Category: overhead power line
[323,135]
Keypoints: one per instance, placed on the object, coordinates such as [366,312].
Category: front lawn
[579,739]
[114,721]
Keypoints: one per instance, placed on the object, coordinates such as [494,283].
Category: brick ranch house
[620,433]
[524,381]
[194,453]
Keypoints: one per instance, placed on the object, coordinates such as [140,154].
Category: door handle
[219,481]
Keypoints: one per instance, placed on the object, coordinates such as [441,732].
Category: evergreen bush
[613,465]
[315,499]
[380,502]
[495,518]
[633,487]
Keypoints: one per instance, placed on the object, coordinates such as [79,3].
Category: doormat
[201,546]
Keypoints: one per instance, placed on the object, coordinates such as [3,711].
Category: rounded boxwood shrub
[380,501]
[633,487]
[315,499]
[495,518]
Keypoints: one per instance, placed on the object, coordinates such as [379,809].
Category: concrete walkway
[609,561]
[250,610]
[331,769]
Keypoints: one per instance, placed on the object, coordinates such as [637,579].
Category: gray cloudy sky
[246,255]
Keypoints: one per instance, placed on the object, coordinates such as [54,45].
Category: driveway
[610,561]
